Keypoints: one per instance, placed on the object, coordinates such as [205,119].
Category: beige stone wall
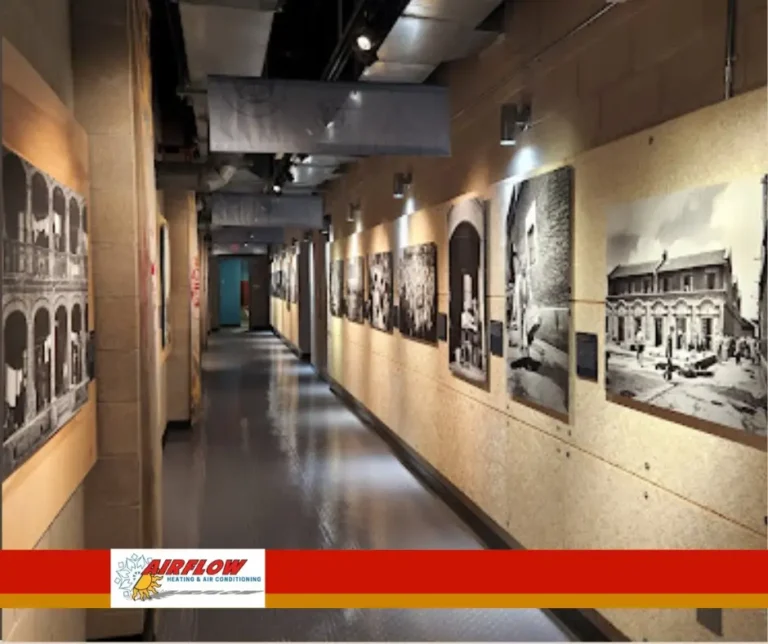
[26,625]
[39,30]
[611,477]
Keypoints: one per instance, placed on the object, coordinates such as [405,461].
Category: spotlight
[364,42]
[514,120]
[402,183]
[352,213]
[277,188]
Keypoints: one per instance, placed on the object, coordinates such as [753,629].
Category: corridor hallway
[279,462]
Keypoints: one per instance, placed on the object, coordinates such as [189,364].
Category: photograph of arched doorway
[15,352]
[41,211]
[467,337]
[76,349]
[43,354]
[15,209]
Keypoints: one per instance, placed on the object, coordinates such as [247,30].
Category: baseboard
[175,426]
[301,355]
[584,624]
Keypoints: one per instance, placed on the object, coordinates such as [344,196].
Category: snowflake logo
[129,571]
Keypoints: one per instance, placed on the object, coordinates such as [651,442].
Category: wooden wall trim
[40,128]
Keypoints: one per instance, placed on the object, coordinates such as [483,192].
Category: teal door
[229,291]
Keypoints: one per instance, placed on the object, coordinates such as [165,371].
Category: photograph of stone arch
[45,312]
[538,291]
[685,326]
[467,336]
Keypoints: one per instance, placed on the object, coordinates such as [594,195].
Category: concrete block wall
[181,215]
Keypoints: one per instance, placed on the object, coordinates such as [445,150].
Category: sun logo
[132,580]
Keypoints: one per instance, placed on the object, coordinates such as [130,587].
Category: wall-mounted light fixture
[353,212]
[401,185]
[366,44]
[514,120]
[326,226]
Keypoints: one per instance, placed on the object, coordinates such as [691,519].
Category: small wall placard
[442,327]
[586,356]
[497,338]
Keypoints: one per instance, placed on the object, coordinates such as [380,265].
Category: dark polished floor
[279,462]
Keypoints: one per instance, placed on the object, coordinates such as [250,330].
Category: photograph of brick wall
[336,287]
[45,307]
[539,290]
[354,295]
[684,329]
[467,337]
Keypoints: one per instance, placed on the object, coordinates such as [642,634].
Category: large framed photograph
[294,273]
[336,287]
[467,336]
[380,290]
[685,319]
[417,286]
[45,306]
[538,291]
[354,290]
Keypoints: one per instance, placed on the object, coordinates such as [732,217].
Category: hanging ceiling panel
[251,115]
[384,72]
[467,12]
[266,211]
[224,40]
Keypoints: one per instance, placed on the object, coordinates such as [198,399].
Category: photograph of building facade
[683,308]
[45,306]
[538,290]
[467,333]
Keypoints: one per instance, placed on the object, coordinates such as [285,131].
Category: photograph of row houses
[685,309]
[45,306]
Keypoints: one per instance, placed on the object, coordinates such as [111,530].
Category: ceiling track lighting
[515,119]
[402,183]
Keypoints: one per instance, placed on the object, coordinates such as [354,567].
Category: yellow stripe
[55,601]
[516,601]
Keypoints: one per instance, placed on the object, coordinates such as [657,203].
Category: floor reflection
[279,462]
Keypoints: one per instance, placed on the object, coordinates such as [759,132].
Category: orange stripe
[514,601]
[55,601]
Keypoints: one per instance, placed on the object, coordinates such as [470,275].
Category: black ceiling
[304,44]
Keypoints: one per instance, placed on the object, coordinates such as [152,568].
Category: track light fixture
[352,212]
[514,120]
[402,184]
[364,42]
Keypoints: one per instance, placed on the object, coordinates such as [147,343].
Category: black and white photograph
[467,337]
[685,308]
[45,306]
[538,291]
[380,290]
[336,288]
[354,290]
[417,287]
[294,273]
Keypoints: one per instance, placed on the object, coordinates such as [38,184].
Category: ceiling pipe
[730,49]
